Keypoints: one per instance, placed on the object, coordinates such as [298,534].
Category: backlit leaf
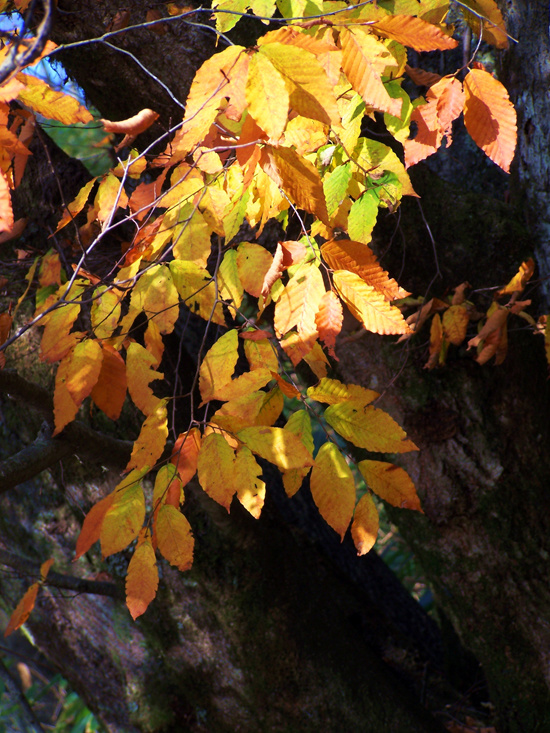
[139,373]
[261,354]
[83,369]
[414,32]
[185,454]
[105,312]
[218,365]
[23,609]
[91,527]
[150,442]
[64,406]
[142,578]
[109,391]
[364,528]
[124,518]
[333,488]
[276,445]
[174,537]
[490,117]
[520,279]
[299,301]
[253,262]
[362,217]
[250,487]
[56,339]
[267,96]
[334,392]
[488,18]
[391,483]
[168,488]
[368,427]
[455,324]
[329,320]
[54,105]
[216,469]
[6,210]
[344,254]
[368,305]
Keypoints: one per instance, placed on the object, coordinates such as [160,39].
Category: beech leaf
[391,483]
[333,488]
[364,528]
[142,578]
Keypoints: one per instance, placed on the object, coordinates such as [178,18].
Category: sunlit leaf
[142,578]
[333,488]
[391,483]
[364,528]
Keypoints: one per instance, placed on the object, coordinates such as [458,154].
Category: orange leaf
[109,391]
[490,117]
[185,454]
[261,353]
[344,254]
[520,279]
[436,342]
[391,483]
[275,271]
[133,125]
[450,102]
[421,77]
[84,368]
[76,206]
[142,578]
[455,324]
[414,32]
[91,527]
[64,406]
[6,211]
[139,373]
[333,488]
[289,390]
[494,323]
[428,136]
[174,537]
[23,609]
[150,442]
[297,177]
[364,528]
[329,320]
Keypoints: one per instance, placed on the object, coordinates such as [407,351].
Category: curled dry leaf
[274,272]
[132,127]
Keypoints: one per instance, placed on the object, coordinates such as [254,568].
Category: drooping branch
[30,461]
[59,580]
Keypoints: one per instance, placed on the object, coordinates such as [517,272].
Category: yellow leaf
[253,262]
[168,488]
[218,365]
[160,299]
[298,423]
[243,385]
[391,483]
[76,206]
[197,290]
[520,279]
[376,157]
[298,178]
[270,408]
[124,518]
[317,361]
[267,96]
[139,373]
[192,238]
[56,339]
[437,345]
[83,369]
[364,528]
[174,537]
[344,254]
[261,354]
[41,98]
[297,346]
[250,488]
[455,324]
[363,61]
[91,527]
[490,117]
[311,94]
[276,445]
[488,18]
[414,32]
[110,195]
[23,609]
[230,288]
[368,427]
[105,311]
[64,406]
[298,304]
[109,391]
[216,469]
[334,392]
[240,413]
[142,579]
[333,488]
[150,442]
[368,305]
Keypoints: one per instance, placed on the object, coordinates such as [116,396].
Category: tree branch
[59,580]
[17,59]
[30,461]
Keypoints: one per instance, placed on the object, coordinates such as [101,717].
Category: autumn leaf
[368,305]
[6,210]
[414,32]
[276,445]
[124,518]
[185,454]
[174,537]
[267,96]
[260,353]
[216,469]
[333,488]
[218,365]
[364,528]
[23,610]
[48,102]
[486,16]
[275,271]
[455,324]
[329,319]
[150,442]
[436,343]
[391,483]
[142,577]
[91,527]
[109,391]
[84,366]
[334,392]
[368,427]
[298,423]
[298,303]
[520,279]
[253,262]
[139,374]
[132,127]
[168,488]
[250,488]
[490,117]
